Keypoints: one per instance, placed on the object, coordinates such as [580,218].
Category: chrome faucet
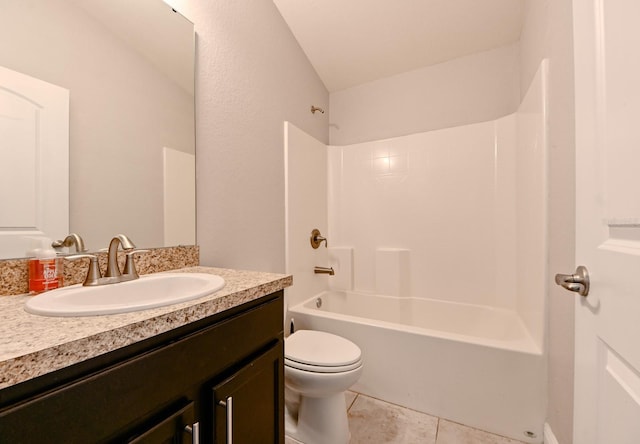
[324,270]
[70,240]
[112,259]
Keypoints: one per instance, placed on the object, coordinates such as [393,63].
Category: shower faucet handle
[317,239]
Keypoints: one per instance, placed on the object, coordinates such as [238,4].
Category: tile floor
[372,421]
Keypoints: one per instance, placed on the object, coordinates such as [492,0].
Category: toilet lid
[318,348]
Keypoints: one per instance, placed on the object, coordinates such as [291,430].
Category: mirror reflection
[128,67]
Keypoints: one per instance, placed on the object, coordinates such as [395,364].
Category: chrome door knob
[577,282]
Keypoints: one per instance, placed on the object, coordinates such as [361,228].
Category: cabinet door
[249,405]
[176,428]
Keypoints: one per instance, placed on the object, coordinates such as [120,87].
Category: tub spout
[324,270]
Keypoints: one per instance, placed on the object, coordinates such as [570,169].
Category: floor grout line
[353,402]
[391,403]
[439,423]
[438,431]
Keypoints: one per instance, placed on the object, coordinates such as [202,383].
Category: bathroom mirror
[129,69]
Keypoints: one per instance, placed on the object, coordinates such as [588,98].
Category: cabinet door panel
[249,405]
[171,429]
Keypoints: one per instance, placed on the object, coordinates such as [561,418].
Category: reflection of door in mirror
[34,161]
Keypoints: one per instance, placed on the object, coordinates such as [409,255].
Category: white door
[607,365]
[34,161]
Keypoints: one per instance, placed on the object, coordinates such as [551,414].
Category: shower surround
[455,218]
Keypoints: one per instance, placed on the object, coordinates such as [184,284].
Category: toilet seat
[320,368]
[321,352]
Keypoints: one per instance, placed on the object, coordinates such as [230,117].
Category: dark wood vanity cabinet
[221,378]
[240,399]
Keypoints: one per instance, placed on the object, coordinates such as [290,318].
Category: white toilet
[318,368]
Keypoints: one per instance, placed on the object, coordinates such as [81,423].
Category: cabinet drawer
[103,406]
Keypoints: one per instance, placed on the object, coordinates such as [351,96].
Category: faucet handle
[130,264]
[93,274]
[317,239]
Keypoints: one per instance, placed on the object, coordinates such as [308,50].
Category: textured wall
[470,89]
[251,76]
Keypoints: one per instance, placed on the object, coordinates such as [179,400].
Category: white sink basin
[154,290]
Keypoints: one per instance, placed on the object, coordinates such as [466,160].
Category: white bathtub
[470,364]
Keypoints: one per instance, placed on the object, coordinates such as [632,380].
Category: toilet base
[319,420]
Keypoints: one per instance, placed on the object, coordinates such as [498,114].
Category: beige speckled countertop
[32,345]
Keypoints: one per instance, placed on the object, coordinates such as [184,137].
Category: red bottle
[45,270]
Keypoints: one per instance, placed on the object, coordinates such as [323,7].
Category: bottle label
[44,274]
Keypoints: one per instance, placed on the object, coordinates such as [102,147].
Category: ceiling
[350,42]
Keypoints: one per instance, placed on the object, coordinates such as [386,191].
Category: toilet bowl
[318,368]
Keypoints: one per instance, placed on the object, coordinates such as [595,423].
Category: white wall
[547,33]
[531,205]
[433,194]
[470,89]
[467,203]
[251,77]
[306,209]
